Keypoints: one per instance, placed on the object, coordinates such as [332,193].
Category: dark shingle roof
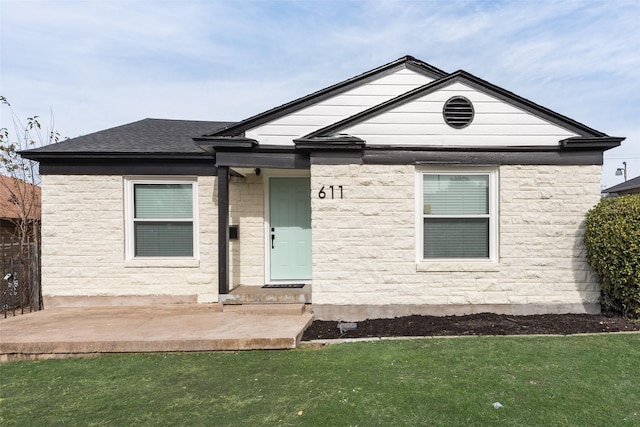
[630,184]
[144,136]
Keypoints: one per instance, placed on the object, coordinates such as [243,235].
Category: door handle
[273,237]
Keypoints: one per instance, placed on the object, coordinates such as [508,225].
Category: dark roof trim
[456,157]
[200,167]
[469,149]
[604,142]
[277,157]
[335,143]
[263,159]
[487,156]
[213,144]
[408,62]
[474,82]
[58,156]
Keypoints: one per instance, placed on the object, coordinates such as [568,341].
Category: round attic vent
[458,112]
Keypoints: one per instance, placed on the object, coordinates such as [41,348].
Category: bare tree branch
[22,190]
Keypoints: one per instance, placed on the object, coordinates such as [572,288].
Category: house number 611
[322,194]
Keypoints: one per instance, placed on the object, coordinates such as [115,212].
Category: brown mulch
[474,324]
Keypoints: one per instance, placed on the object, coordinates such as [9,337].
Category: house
[631,186]
[403,190]
[19,200]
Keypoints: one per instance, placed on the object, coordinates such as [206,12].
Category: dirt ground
[475,324]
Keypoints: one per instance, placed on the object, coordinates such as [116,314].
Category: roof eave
[51,156]
[216,143]
[340,142]
[590,143]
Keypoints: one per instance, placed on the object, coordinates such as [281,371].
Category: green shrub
[612,238]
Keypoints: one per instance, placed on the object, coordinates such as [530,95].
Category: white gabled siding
[495,123]
[285,129]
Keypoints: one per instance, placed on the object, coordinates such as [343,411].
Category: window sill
[457,266]
[162,262]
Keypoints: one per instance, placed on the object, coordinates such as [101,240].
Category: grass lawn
[576,380]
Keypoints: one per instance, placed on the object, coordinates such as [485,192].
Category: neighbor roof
[12,192]
[630,184]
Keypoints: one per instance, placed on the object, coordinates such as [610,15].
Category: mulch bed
[475,324]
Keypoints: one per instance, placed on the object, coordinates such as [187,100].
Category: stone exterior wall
[364,246]
[246,209]
[83,253]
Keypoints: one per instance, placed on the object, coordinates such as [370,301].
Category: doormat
[285,286]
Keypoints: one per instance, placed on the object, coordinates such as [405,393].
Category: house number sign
[332,192]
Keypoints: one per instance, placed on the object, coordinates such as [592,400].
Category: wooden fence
[20,290]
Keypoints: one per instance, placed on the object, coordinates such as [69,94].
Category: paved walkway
[60,332]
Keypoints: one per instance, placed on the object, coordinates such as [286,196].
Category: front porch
[84,331]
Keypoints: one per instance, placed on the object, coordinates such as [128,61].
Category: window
[161,220]
[459,214]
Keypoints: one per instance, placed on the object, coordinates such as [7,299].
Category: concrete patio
[73,331]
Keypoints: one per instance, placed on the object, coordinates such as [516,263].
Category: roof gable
[406,62]
[460,77]
[283,130]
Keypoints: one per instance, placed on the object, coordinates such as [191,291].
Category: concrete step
[259,295]
[265,309]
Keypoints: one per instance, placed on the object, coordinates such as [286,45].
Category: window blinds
[456,194]
[163,201]
[456,238]
[164,239]
[456,216]
[163,220]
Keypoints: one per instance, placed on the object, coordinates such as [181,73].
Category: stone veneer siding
[83,251]
[246,209]
[364,246]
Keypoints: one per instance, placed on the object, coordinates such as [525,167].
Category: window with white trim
[459,214]
[161,220]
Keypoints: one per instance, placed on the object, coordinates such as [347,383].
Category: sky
[92,65]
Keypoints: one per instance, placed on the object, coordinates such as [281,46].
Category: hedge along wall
[612,238]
